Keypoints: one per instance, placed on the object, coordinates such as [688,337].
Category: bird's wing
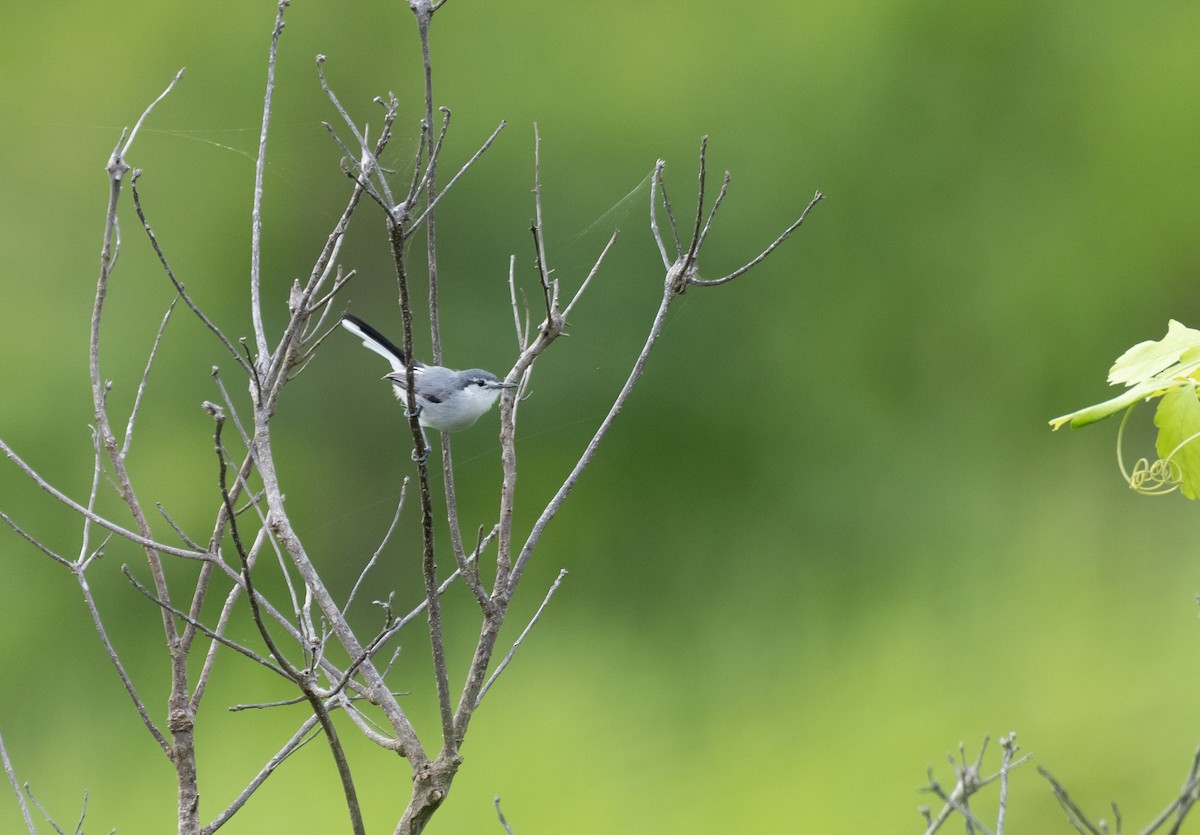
[435,384]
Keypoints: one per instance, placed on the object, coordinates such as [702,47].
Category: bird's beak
[500,384]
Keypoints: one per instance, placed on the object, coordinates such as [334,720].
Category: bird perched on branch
[446,400]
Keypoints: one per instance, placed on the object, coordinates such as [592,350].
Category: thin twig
[445,190]
[369,729]
[417,610]
[429,181]
[138,539]
[656,182]
[500,815]
[260,166]
[1075,815]
[231,409]
[295,700]
[817,197]
[179,532]
[522,332]
[38,805]
[146,113]
[1008,745]
[693,252]
[210,657]
[408,743]
[211,633]
[141,389]
[97,470]
[290,747]
[712,214]
[549,288]
[520,638]
[366,161]
[12,781]
[34,541]
[180,291]
[378,551]
[1183,803]
[591,274]
[555,503]
[469,576]
[115,660]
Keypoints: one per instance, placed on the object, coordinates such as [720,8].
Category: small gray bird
[447,400]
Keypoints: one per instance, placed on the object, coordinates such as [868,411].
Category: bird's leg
[416,413]
[420,459]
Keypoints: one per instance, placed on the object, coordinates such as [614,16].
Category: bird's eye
[481,383]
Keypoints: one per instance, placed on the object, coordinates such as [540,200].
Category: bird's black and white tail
[375,341]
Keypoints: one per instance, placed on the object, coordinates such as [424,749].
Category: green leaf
[1147,359]
[1150,369]
[1178,422]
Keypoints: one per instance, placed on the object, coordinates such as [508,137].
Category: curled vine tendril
[1155,478]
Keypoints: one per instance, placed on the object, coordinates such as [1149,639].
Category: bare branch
[441,589]
[378,551]
[817,197]
[233,412]
[362,184]
[1008,745]
[324,305]
[365,162]
[500,815]
[301,679]
[179,288]
[466,166]
[409,744]
[549,288]
[694,248]
[87,513]
[368,728]
[396,236]
[211,633]
[34,541]
[290,747]
[712,214]
[97,471]
[141,389]
[114,659]
[589,453]
[1075,815]
[260,165]
[1182,804]
[656,182]
[591,274]
[219,630]
[124,149]
[520,638]
[183,537]
[469,576]
[522,330]
[12,781]
[38,805]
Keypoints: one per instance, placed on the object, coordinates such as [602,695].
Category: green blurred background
[831,535]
